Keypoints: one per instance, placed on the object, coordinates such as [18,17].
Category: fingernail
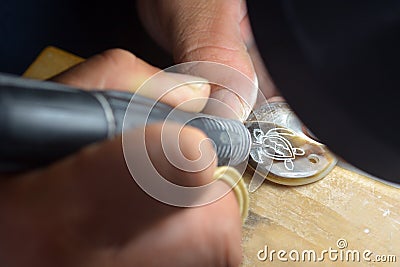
[255,80]
[194,83]
[189,93]
[276,99]
[226,104]
[181,85]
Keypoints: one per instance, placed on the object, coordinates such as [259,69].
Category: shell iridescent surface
[283,150]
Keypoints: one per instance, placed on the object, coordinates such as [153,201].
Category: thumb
[206,31]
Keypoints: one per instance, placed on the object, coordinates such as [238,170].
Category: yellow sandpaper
[51,61]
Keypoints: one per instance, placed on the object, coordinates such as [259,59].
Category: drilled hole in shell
[314,159]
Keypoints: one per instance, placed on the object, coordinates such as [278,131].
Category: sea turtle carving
[275,145]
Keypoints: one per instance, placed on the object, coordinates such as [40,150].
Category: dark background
[83,28]
[336,62]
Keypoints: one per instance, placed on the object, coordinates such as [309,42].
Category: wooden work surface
[342,206]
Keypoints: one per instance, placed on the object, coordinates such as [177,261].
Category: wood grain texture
[343,205]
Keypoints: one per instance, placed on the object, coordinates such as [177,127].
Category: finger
[96,201]
[182,154]
[206,236]
[265,83]
[225,213]
[206,31]
[121,70]
[96,179]
[112,69]
[185,157]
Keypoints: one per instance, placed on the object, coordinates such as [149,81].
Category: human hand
[86,210]
[217,31]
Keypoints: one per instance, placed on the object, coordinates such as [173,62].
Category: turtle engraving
[275,145]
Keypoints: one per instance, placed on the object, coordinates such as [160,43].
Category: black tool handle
[44,121]
[41,122]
